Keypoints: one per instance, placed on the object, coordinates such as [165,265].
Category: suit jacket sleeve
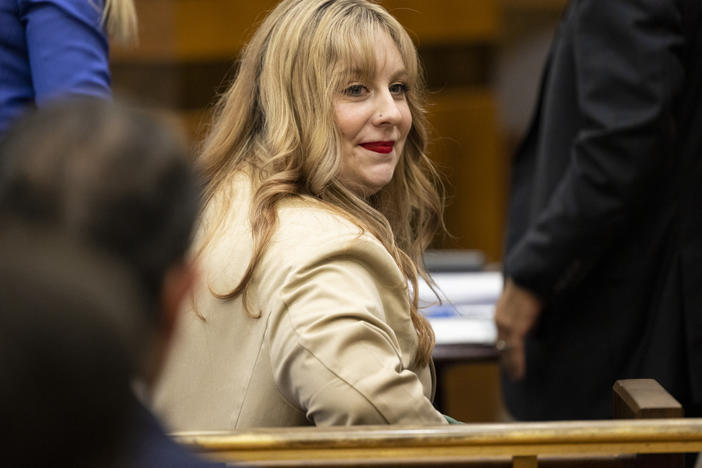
[334,353]
[628,68]
[67,47]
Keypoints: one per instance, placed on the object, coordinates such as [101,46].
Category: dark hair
[71,330]
[109,175]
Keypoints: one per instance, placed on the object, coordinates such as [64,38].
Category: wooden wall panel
[471,392]
[466,144]
[433,22]
[211,29]
[157,34]
[543,5]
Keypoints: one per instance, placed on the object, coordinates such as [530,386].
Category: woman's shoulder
[304,213]
[306,229]
[310,233]
[230,208]
[311,238]
[306,222]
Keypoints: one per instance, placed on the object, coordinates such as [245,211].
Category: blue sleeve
[67,47]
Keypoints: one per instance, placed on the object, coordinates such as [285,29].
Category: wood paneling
[471,392]
[157,34]
[193,30]
[433,22]
[543,5]
[212,29]
[467,147]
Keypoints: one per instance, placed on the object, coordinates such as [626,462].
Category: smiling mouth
[383,147]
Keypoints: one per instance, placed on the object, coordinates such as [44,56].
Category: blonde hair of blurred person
[275,130]
[51,50]
[120,19]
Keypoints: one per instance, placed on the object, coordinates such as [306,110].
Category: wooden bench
[618,443]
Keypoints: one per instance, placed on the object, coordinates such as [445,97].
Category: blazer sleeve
[628,68]
[67,47]
[333,353]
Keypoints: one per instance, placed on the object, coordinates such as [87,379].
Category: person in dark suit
[603,262]
[119,182]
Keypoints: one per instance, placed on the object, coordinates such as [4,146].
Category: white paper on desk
[468,307]
[481,287]
[464,331]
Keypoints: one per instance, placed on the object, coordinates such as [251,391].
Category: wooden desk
[446,354]
[468,383]
[467,370]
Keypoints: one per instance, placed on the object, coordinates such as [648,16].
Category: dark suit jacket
[150,447]
[605,220]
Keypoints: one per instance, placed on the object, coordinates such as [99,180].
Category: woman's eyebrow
[400,73]
[358,73]
[355,72]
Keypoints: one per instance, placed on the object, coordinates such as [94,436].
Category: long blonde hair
[276,122]
[120,19]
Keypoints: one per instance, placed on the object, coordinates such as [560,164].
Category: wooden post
[643,399]
[647,399]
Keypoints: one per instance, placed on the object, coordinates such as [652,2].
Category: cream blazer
[328,339]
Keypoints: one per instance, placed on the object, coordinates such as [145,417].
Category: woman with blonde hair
[319,203]
[52,49]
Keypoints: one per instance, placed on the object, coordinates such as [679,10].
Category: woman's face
[374,119]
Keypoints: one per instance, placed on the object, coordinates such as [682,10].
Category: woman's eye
[398,89]
[355,90]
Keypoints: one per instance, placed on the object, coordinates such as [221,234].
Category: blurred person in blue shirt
[55,48]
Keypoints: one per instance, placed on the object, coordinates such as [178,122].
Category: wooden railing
[467,445]
[615,443]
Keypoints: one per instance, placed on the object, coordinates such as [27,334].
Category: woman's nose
[387,110]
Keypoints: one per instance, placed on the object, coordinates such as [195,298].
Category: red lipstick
[383,147]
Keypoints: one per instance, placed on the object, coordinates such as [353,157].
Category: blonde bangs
[353,55]
[353,47]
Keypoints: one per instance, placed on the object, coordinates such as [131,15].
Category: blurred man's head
[116,179]
[71,331]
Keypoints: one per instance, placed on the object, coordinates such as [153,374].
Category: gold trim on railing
[478,440]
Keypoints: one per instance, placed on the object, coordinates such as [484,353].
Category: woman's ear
[177,284]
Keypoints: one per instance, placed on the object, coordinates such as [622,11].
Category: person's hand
[516,313]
